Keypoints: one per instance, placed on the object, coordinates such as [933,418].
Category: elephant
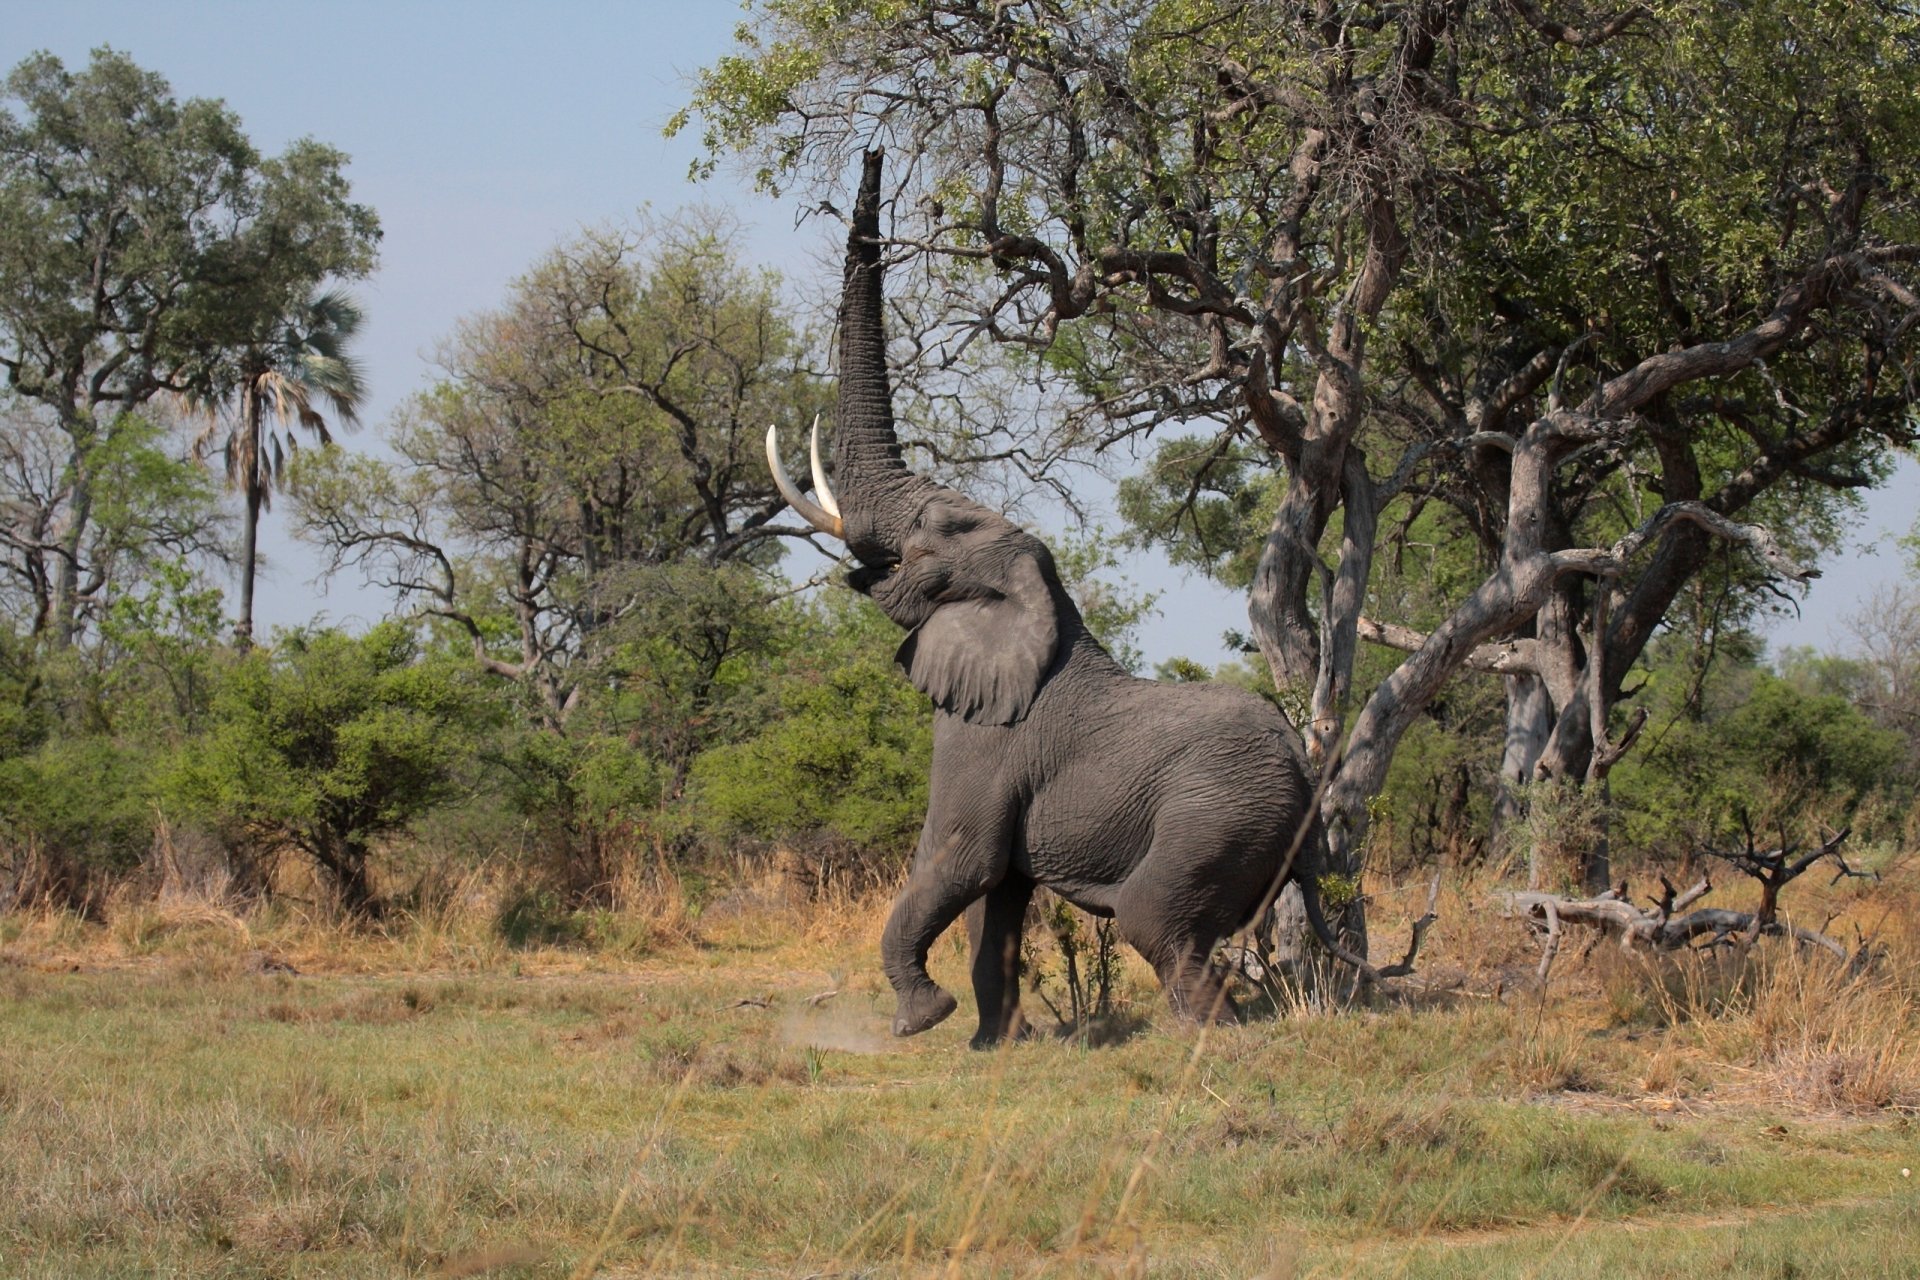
[1177,810]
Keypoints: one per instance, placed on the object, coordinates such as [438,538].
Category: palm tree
[277,382]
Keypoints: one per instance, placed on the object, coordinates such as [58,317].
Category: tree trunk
[250,484]
[1529,725]
[344,861]
[66,577]
[249,531]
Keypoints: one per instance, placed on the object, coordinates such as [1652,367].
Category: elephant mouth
[863,578]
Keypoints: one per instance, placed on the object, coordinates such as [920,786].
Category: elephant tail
[1317,917]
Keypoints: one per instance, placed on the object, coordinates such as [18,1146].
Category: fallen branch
[1420,927]
[1666,924]
[1653,927]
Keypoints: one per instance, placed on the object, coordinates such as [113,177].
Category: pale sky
[483,133]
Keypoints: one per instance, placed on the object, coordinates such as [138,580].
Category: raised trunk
[879,496]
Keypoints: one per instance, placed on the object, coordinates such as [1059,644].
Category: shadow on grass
[1099,1031]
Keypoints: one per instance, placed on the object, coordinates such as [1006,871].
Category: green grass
[181,1117]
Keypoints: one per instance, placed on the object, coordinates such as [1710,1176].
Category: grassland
[665,1099]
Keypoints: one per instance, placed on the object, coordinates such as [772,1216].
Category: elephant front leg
[946,877]
[994,926]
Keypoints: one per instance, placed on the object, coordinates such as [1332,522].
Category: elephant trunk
[879,496]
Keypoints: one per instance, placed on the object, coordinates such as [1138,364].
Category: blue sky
[485,132]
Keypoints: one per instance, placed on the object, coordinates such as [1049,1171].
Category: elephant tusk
[824,521]
[821,489]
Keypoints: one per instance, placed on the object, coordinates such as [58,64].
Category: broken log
[1666,924]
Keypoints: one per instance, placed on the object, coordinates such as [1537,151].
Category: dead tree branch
[1666,924]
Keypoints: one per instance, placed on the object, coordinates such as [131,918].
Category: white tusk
[813,515]
[821,489]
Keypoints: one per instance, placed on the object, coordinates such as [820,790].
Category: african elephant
[1176,809]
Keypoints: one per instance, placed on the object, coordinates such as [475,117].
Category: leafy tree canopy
[604,423]
[1609,289]
[144,244]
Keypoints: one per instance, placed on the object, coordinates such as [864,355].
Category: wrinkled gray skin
[1171,808]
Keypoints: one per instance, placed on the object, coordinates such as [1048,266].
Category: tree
[603,425]
[148,508]
[141,240]
[1412,253]
[1738,748]
[1886,639]
[277,378]
[330,741]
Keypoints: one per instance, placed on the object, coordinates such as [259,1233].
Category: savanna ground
[189,1091]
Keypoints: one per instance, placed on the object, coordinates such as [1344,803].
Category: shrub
[330,740]
[843,751]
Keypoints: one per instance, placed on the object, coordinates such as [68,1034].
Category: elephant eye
[945,520]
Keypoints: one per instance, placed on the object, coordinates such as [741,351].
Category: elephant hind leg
[1196,885]
[1196,988]
[994,925]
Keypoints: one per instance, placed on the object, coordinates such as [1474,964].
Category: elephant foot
[924,1008]
[993,1038]
[1205,1004]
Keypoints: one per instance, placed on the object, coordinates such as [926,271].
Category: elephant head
[979,597]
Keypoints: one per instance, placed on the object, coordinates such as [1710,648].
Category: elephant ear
[984,658]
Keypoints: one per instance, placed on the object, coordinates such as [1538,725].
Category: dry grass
[478,1085]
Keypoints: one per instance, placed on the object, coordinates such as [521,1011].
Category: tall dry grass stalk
[1822,1033]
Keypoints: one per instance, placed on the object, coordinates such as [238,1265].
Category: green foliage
[25,716]
[1436,806]
[148,502]
[590,778]
[329,741]
[190,230]
[845,745]
[1752,746]
[150,514]
[142,242]
[684,656]
[82,803]
[576,497]
[1181,670]
[1206,502]
[1338,891]
[1089,567]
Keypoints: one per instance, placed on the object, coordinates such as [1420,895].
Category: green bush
[82,806]
[842,751]
[327,741]
[579,798]
[1753,748]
